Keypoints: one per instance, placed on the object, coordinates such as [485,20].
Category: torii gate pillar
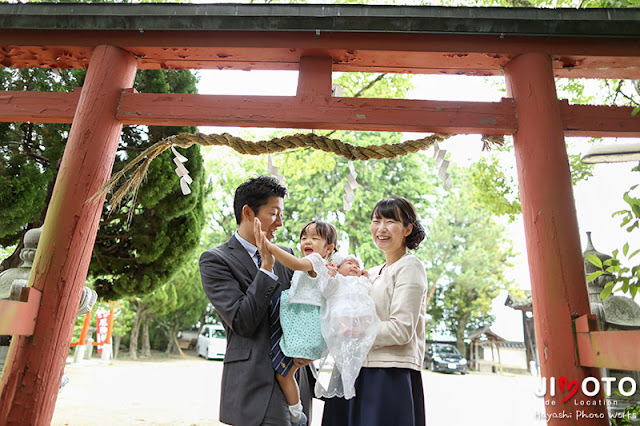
[35,363]
[553,244]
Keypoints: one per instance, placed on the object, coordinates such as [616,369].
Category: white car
[212,342]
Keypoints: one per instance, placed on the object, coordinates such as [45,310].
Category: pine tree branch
[100,264]
[113,218]
[112,236]
[43,160]
[114,247]
[126,259]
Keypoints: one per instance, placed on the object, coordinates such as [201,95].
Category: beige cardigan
[399,294]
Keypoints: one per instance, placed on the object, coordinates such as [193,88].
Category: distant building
[521,301]
[490,352]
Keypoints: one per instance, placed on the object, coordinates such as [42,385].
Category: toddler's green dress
[300,312]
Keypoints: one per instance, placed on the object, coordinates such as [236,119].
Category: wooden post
[551,228]
[314,78]
[477,364]
[81,344]
[35,363]
[110,327]
[85,328]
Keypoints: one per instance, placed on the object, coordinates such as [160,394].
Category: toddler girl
[300,305]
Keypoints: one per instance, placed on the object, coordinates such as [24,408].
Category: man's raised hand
[263,246]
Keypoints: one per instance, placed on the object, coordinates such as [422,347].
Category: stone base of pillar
[78,354]
[107,353]
[89,351]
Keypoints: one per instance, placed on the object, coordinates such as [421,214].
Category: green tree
[140,309]
[123,321]
[315,181]
[625,278]
[128,258]
[177,304]
[30,154]
[180,302]
[317,192]
[132,259]
[495,183]
[467,253]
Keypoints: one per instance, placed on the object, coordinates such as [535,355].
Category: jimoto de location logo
[590,387]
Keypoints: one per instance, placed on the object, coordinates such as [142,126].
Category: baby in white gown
[349,324]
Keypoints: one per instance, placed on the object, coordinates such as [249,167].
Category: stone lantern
[614,313]
[14,279]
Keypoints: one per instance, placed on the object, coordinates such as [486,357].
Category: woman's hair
[401,209]
[325,230]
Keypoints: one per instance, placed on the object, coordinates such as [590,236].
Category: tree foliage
[128,258]
[133,258]
[467,253]
[626,277]
[150,261]
[30,153]
[318,193]
[495,185]
[178,304]
[493,188]
[315,181]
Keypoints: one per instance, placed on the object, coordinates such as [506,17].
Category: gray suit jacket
[241,296]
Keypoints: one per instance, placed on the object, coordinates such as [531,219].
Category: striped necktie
[281,363]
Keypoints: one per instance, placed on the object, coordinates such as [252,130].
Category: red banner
[102,328]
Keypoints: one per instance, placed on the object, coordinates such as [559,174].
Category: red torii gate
[529,46]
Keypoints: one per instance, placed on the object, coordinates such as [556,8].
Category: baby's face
[350,267]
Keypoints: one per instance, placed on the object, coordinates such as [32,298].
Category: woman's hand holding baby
[333,270]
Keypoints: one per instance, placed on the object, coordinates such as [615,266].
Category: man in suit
[241,285]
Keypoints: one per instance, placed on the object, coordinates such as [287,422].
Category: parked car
[444,358]
[212,342]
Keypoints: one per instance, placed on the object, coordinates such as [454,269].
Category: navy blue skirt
[384,396]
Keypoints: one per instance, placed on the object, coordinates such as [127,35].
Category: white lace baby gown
[300,312]
[349,324]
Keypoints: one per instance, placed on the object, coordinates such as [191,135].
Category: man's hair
[255,193]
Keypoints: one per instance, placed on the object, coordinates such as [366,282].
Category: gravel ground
[173,391]
[160,391]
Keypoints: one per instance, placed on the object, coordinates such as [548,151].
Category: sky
[595,199]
